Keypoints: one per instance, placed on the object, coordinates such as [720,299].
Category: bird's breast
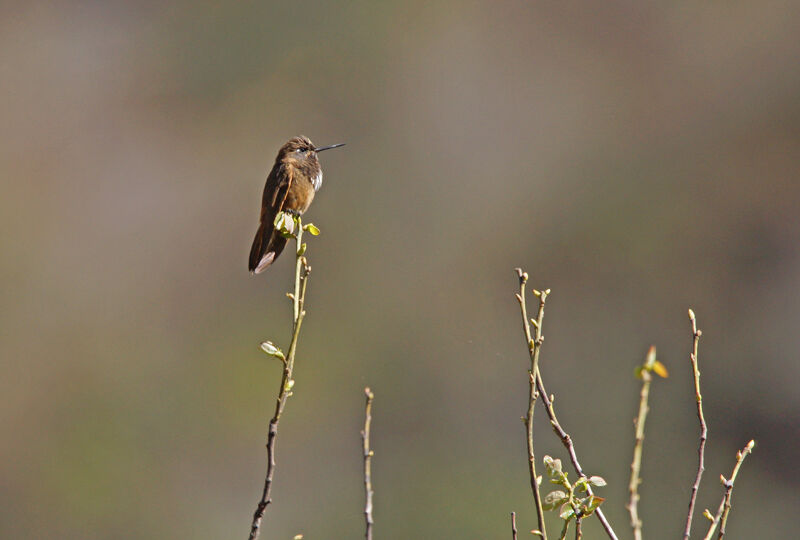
[299,196]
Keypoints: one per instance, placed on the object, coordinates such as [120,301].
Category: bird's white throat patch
[317,181]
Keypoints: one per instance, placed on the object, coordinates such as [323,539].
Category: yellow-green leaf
[660,370]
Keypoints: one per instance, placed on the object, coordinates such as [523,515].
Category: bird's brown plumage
[290,187]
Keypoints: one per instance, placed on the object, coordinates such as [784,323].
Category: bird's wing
[267,245]
[278,184]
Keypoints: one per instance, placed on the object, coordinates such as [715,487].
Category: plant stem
[302,272]
[367,464]
[633,485]
[703,429]
[513,526]
[721,516]
[533,350]
[564,530]
[566,440]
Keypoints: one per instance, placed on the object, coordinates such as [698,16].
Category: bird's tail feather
[267,245]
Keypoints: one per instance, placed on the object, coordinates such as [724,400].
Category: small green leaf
[553,499]
[566,512]
[272,350]
[598,481]
[708,515]
[537,532]
[638,372]
[302,250]
[591,506]
[312,229]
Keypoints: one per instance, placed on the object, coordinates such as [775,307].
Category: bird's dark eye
[299,150]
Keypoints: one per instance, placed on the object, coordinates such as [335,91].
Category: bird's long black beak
[328,147]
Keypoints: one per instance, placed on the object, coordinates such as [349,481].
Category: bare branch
[534,345]
[693,358]
[513,526]
[537,388]
[564,530]
[721,516]
[367,464]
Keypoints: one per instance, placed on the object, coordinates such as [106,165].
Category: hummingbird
[294,179]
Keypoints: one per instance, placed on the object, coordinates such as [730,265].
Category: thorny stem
[367,464]
[721,516]
[633,485]
[302,272]
[534,345]
[703,429]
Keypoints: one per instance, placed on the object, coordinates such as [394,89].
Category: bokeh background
[638,158]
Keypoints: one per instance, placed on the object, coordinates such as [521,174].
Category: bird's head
[300,152]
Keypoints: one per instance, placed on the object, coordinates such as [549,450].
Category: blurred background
[638,158]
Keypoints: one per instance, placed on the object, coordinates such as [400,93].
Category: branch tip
[368,453]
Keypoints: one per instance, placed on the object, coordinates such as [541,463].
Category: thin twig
[703,429]
[534,345]
[633,485]
[564,530]
[302,272]
[533,348]
[566,440]
[367,464]
[513,525]
[721,516]
[578,531]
